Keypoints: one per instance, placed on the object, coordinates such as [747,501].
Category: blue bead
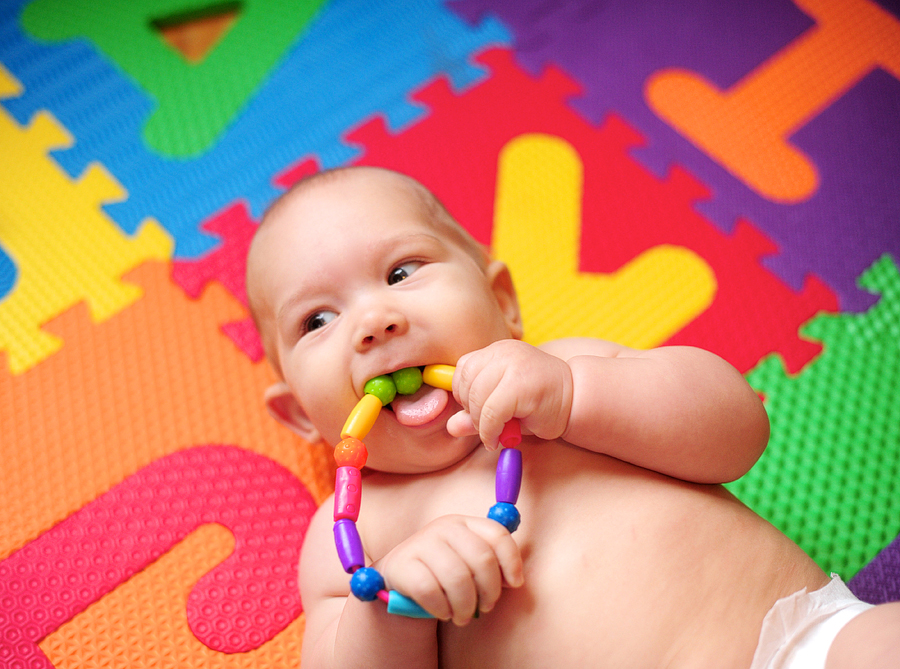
[506,514]
[365,583]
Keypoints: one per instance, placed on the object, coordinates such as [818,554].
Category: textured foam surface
[153,512]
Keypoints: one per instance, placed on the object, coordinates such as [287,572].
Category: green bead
[383,388]
[408,380]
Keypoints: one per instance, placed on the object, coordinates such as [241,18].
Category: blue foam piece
[8,274]
[357,59]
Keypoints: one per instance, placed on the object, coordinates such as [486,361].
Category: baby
[629,553]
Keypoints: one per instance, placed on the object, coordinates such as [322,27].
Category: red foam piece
[226,264]
[626,208]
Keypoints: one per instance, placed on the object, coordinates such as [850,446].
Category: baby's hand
[511,379]
[455,565]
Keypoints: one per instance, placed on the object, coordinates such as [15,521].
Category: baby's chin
[437,455]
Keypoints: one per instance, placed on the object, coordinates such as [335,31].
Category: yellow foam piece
[765,108]
[65,247]
[537,226]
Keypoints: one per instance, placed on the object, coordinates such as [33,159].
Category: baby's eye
[402,272]
[318,320]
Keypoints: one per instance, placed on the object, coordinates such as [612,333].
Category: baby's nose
[378,326]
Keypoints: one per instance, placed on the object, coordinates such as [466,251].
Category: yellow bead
[362,418]
[439,376]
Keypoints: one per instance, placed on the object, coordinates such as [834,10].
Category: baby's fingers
[505,549]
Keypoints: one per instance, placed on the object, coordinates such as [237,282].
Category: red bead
[350,452]
[347,493]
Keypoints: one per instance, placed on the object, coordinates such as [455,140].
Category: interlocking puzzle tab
[835,445]
[196,101]
[850,39]
[64,246]
[227,265]
[627,210]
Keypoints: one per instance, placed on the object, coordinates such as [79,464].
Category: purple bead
[349,545]
[509,475]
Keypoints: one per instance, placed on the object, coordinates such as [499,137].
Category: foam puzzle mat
[725,175]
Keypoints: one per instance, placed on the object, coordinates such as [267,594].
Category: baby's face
[351,280]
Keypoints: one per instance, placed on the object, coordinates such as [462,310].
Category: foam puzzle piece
[65,248]
[236,607]
[8,272]
[291,114]
[858,176]
[626,209]
[879,581]
[195,102]
[539,196]
[227,264]
[850,39]
[153,379]
[828,477]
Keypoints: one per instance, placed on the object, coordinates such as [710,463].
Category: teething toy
[350,456]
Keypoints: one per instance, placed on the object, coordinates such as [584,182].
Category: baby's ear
[284,408]
[502,284]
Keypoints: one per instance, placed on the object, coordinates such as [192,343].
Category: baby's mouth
[422,407]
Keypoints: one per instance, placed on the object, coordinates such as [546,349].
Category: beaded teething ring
[350,455]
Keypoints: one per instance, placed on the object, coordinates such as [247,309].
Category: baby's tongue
[421,407]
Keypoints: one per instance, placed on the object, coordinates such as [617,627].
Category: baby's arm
[342,631]
[680,411]
[450,567]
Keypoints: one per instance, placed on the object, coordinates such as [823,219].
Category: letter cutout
[60,573]
[762,110]
[539,189]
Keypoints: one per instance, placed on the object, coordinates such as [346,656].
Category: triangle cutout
[195,33]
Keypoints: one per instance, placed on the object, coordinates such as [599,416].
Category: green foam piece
[195,102]
[829,478]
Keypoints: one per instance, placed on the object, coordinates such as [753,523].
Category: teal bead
[383,387]
[408,380]
[402,605]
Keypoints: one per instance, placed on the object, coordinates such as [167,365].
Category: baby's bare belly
[624,568]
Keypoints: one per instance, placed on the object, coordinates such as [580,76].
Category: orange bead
[350,452]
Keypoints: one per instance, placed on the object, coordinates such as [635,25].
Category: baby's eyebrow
[387,245]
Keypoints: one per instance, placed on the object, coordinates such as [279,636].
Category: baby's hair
[435,212]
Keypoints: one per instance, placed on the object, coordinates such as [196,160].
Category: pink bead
[347,493]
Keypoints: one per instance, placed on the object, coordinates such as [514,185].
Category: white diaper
[799,629]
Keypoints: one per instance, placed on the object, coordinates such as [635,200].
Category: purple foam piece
[879,581]
[613,47]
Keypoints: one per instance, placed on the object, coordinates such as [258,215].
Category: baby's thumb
[460,425]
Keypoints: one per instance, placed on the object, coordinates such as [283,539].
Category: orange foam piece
[155,378]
